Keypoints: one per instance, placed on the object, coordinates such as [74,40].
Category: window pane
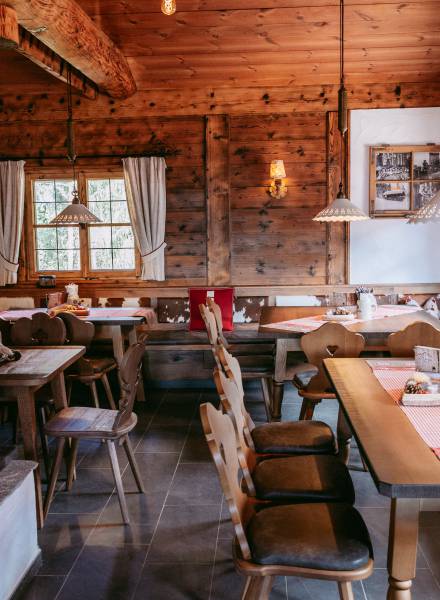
[101,210]
[47,260]
[122,237]
[44,212]
[44,191]
[117,189]
[46,238]
[100,237]
[123,259]
[63,190]
[120,212]
[68,237]
[68,260]
[99,190]
[101,260]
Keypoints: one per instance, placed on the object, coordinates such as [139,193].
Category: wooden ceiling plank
[71,33]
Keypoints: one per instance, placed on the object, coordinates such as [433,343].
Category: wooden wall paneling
[217,200]
[337,233]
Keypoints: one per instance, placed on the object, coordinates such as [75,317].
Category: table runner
[109,313]
[307,324]
[392,376]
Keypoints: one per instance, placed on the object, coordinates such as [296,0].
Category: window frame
[29,246]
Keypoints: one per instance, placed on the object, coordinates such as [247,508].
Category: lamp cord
[341,42]
[71,155]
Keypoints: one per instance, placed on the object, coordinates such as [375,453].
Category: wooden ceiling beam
[66,29]
[30,47]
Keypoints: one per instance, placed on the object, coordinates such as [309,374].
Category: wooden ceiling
[258,43]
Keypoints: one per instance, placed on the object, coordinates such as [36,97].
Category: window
[94,250]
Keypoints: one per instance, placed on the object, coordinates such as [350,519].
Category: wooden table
[402,466]
[375,333]
[22,378]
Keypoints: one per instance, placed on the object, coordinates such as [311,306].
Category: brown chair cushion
[303,479]
[256,363]
[294,437]
[312,536]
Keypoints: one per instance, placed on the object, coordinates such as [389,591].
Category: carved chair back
[402,342]
[129,375]
[331,340]
[220,435]
[78,332]
[217,312]
[40,330]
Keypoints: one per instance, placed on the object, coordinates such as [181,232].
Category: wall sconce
[277,188]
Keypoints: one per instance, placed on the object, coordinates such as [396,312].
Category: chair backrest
[232,401]
[40,330]
[402,342]
[210,324]
[129,375]
[78,332]
[220,435]
[217,312]
[330,340]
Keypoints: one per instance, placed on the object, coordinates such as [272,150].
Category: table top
[381,327]
[98,316]
[400,463]
[39,365]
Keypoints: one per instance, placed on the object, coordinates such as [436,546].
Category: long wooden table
[23,378]
[375,332]
[402,466]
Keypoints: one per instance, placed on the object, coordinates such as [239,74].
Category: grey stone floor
[178,546]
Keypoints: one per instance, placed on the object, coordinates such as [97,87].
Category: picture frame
[402,179]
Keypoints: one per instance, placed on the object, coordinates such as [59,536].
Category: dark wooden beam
[66,29]
[30,47]
[217,200]
[8,28]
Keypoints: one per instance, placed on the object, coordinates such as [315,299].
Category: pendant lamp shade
[75,214]
[429,212]
[340,210]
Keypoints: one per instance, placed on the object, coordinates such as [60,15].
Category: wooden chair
[330,340]
[88,370]
[402,342]
[318,541]
[253,366]
[287,438]
[300,478]
[101,424]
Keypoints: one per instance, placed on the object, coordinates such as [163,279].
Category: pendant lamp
[75,213]
[341,209]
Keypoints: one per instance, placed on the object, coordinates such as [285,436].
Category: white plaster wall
[390,250]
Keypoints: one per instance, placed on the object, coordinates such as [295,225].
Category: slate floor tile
[42,587]
[174,581]
[195,484]
[424,586]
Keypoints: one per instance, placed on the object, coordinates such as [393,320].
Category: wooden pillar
[9,36]
[337,233]
[217,200]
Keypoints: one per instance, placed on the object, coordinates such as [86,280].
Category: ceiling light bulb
[168,7]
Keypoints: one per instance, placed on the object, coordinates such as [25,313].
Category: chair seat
[256,364]
[314,536]
[91,366]
[303,479]
[102,364]
[294,437]
[302,379]
[78,421]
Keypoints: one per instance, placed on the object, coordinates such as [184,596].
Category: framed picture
[402,178]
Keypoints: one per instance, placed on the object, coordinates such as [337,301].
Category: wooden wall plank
[217,197]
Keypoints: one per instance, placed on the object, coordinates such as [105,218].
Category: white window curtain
[146,198]
[11,218]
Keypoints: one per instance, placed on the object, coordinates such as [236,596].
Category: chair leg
[54,475]
[267,399]
[69,385]
[118,480]
[41,418]
[257,588]
[345,590]
[108,391]
[94,393]
[72,464]
[307,409]
[133,464]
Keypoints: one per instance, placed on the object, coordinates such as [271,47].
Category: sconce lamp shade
[429,212]
[75,214]
[277,170]
[340,210]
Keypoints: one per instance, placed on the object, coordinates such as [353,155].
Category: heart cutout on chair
[332,350]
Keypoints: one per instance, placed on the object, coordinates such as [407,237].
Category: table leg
[58,386]
[140,394]
[402,547]
[118,343]
[344,437]
[279,377]
[28,422]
